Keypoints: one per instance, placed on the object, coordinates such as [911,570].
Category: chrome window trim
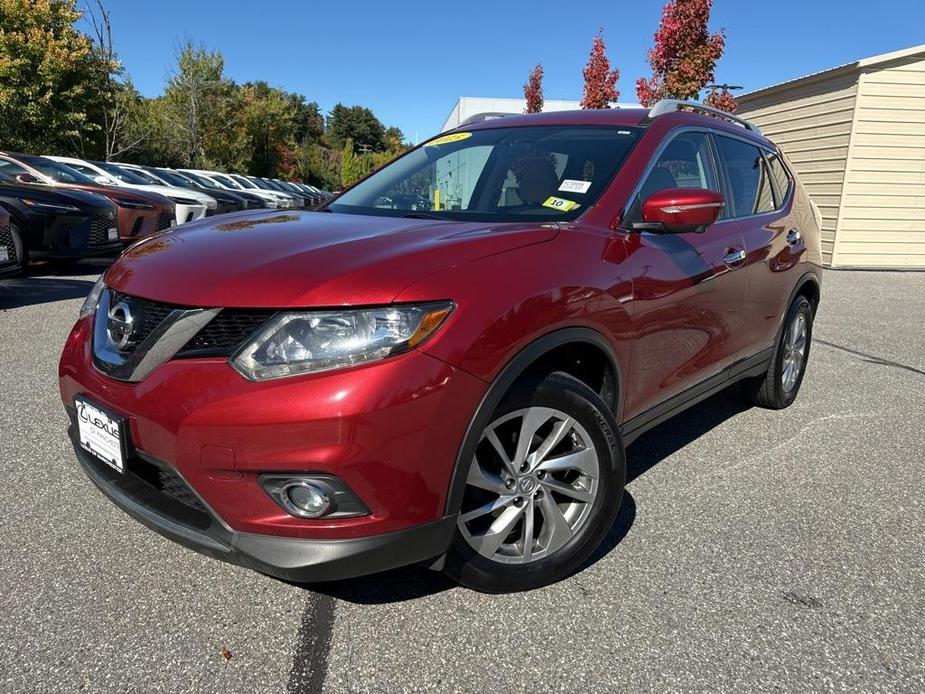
[682,129]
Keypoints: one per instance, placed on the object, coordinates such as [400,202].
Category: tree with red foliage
[722,99]
[533,90]
[685,53]
[600,81]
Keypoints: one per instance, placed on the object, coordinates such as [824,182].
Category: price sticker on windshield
[561,204]
[447,139]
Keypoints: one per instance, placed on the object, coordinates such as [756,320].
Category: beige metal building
[856,136]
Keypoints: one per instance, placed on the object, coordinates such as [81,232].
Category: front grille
[99,229]
[6,241]
[226,332]
[164,221]
[220,337]
[152,312]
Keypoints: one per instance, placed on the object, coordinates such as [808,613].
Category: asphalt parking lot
[755,550]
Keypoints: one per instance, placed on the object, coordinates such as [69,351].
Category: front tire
[779,386]
[542,489]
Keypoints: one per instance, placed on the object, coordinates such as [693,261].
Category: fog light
[312,495]
[305,499]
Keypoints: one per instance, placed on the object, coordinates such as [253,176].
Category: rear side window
[782,181]
[747,178]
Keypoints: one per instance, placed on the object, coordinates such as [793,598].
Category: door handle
[794,237]
[733,258]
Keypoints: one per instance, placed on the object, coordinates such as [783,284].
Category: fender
[810,276]
[502,383]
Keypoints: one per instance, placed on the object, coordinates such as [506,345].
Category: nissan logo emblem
[122,325]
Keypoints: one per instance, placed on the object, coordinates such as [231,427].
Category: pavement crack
[871,358]
[310,660]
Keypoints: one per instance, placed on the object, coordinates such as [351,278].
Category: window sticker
[447,139]
[571,186]
[561,204]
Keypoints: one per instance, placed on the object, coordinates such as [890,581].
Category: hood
[305,259]
[54,195]
[112,193]
[173,193]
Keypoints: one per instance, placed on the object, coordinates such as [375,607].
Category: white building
[472,109]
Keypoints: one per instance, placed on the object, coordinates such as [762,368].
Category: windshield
[123,175]
[545,173]
[197,180]
[244,182]
[175,179]
[147,176]
[227,181]
[62,173]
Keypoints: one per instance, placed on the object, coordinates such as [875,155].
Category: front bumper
[290,559]
[390,430]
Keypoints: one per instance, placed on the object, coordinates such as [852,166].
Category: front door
[687,289]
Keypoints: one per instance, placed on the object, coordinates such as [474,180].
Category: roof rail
[673,105]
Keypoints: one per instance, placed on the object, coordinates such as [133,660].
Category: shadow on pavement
[646,452]
[44,283]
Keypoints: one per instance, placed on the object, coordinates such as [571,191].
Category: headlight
[186,201]
[50,207]
[132,204]
[93,298]
[304,342]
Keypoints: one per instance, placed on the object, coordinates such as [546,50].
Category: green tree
[198,97]
[270,116]
[356,123]
[49,82]
[308,120]
[319,165]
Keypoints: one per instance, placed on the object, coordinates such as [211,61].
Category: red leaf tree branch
[533,90]
[685,53]
[722,99]
[600,81]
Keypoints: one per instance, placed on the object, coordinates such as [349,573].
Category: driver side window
[686,162]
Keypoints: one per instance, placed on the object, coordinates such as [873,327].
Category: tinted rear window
[747,177]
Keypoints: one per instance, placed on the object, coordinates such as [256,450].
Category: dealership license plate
[113,234]
[4,254]
[100,433]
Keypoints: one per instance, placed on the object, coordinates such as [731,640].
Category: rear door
[688,290]
[759,192]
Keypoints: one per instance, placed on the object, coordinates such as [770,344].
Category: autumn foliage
[685,53]
[722,99]
[600,81]
[533,90]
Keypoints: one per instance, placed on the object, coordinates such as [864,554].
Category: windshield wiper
[420,215]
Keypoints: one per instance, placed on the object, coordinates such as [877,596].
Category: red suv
[444,364]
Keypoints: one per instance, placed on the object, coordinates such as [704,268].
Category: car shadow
[654,446]
[45,283]
[646,452]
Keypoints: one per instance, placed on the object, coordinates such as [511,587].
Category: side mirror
[103,180]
[26,178]
[680,210]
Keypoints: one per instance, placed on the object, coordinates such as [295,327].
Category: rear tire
[779,386]
[533,512]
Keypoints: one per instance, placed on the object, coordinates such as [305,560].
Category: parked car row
[65,208]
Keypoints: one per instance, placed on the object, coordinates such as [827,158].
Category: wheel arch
[532,358]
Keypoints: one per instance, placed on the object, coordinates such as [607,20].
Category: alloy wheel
[794,352]
[530,487]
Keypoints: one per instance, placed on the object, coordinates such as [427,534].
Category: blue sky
[409,61]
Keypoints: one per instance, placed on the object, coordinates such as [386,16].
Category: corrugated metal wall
[882,222]
[811,123]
